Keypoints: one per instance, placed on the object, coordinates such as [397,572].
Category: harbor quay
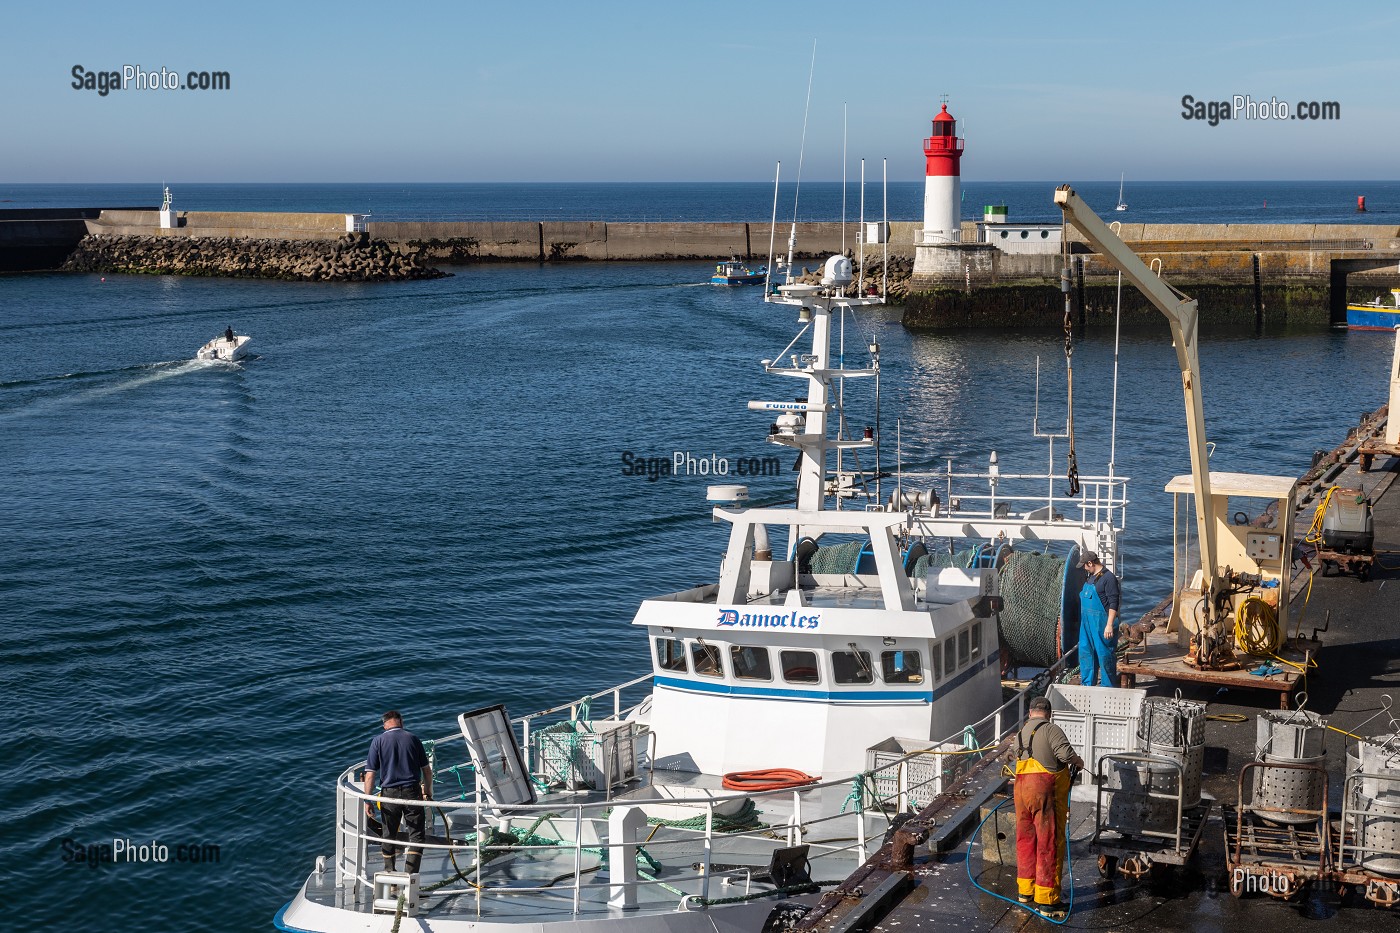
[994,274]
[960,874]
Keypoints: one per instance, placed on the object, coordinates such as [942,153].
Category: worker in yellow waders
[1044,757]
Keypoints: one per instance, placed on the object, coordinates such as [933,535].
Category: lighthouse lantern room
[942,189]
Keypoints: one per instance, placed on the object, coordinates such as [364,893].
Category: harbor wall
[41,238]
[1262,273]
[552,241]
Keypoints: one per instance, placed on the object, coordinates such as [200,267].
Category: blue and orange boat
[735,272]
[1375,315]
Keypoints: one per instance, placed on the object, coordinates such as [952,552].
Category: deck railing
[829,836]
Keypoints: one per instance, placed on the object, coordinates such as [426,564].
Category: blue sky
[550,91]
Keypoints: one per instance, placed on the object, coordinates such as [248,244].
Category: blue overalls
[1094,649]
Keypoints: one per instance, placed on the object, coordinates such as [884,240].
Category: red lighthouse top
[944,148]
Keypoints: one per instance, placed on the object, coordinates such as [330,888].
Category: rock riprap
[354,257]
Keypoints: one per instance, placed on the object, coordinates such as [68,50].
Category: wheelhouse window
[852,667]
[950,656]
[976,640]
[705,659]
[800,667]
[936,662]
[750,663]
[901,667]
[964,648]
[670,654]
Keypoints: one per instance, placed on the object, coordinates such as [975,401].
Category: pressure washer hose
[967,861]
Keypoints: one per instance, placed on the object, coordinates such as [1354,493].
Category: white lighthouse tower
[942,187]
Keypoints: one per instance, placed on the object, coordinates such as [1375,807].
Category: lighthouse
[942,188]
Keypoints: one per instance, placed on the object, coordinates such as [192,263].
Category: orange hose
[767,779]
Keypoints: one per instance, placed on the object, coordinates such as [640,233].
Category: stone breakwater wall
[352,257]
[555,241]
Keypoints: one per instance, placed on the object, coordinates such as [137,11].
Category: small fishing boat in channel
[734,272]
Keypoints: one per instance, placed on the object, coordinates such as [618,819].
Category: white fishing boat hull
[830,678]
[223,350]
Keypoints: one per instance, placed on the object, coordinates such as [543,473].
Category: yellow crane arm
[1181,312]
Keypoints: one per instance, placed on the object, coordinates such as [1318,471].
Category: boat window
[976,640]
[901,667]
[936,662]
[950,656]
[852,667]
[799,667]
[705,659]
[750,663]
[1256,513]
[670,654]
[964,648]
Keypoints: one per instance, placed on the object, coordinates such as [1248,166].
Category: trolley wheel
[1108,866]
[1363,573]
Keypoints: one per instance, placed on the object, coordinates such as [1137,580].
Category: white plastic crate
[1097,720]
[918,777]
[595,755]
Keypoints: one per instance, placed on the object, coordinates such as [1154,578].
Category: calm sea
[215,578]
[1149,202]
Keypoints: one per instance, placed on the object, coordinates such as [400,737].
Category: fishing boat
[228,347]
[1122,205]
[734,272]
[842,667]
[1375,315]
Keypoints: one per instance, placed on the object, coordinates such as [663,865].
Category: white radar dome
[727,495]
[837,271]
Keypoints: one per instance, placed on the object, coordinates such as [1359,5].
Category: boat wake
[37,396]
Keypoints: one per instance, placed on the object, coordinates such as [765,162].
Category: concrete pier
[1358,668]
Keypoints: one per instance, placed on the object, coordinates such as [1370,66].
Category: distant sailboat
[1122,205]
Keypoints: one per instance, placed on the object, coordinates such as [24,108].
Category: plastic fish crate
[920,771]
[594,755]
[1097,720]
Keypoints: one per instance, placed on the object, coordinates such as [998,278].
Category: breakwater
[1260,274]
[352,257]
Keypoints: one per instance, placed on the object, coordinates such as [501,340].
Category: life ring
[767,779]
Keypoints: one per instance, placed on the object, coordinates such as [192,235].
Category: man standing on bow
[397,759]
[1044,757]
[1098,624]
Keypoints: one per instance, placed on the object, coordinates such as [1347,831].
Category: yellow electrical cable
[1313,537]
[1256,627]
[1257,632]
[1346,733]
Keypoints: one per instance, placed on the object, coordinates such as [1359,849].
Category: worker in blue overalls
[1098,624]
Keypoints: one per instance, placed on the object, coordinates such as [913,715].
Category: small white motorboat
[228,347]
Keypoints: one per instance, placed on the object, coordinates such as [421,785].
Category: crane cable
[1072,466]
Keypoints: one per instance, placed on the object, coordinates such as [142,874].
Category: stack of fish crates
[1097,720]
[579,754]
[913,783]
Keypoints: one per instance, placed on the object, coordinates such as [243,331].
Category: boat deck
[669,871]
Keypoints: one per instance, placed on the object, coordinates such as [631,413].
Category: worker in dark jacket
[1044,757]
[1098,624]
[399,763]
